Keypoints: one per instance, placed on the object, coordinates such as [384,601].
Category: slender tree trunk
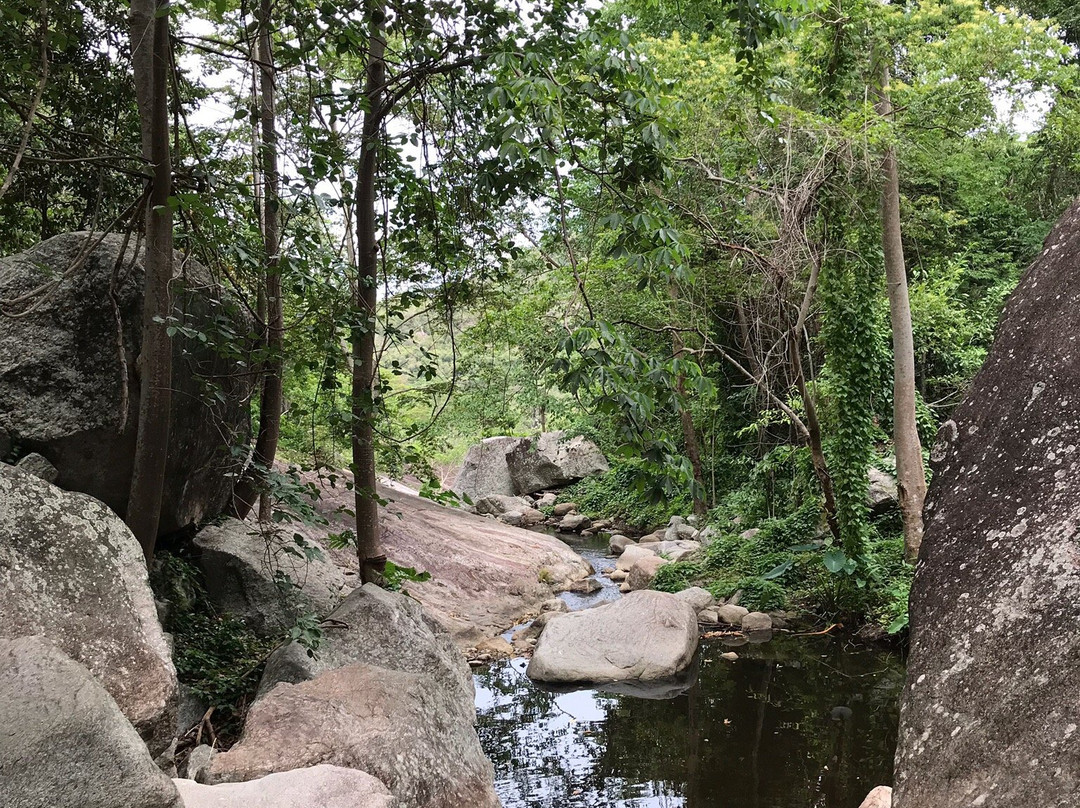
[364,306]
[271,397]
[911,478]
[150,49]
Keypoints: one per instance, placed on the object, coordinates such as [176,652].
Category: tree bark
[910,476]
[364,376]
[150,49]
[252,485]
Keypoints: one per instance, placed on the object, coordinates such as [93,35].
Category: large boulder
[262,576]
[414,730]
[72,571]
[990,714]
[552,460]
[380,628]
[498,504]
[315,787]
[484,472]
[64,743]
[644,637]
[68,382]
[485,576]
[403,727]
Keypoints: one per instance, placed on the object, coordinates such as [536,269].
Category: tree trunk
[150,49]
[252,486]
[364,303]
[910,476]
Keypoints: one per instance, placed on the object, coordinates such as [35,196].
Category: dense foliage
[656,224]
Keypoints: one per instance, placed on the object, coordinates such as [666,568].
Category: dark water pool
[795,723]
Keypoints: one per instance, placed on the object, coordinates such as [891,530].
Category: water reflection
[795,723]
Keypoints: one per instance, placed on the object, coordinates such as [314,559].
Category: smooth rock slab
[70,570]
[64,742]
[644,636]
[320,786]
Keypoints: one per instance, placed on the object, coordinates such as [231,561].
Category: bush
[216,655]
[621,493]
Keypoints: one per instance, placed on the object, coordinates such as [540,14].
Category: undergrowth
[216,655]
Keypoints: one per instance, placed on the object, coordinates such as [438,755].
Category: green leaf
[779,569]
[835,560]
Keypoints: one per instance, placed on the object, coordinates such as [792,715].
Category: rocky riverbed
[788,723]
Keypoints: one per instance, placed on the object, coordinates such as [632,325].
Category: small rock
[587,534]
[198,762]
[37,465]
[533,631]
[585,586]
[564,508]
[746,535]
[531,516]
[601,524]
[756,621]
[693,520]
[554,605]
[730,656]
[708,616]
[547,500]
[734,599]
[697,597]
[624,587]
[676,520]
[617,543]
[618,576]
[494,648]
[707,535]
[654,537]
[574,522]
[631,555]
[732,614]
[512,518]
[497,504]
[644,570]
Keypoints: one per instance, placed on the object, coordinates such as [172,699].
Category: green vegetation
[660,225]
[216,655]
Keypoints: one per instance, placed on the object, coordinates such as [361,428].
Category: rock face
[644,636]
[71,571]
[485,575]
[70,340]
[316,787]
[631,555]
[242,569]
[552,460]
[64,742]
[989,714]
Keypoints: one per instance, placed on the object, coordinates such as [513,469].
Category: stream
[798,722]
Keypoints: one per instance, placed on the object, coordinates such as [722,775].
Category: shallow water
[806,722]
